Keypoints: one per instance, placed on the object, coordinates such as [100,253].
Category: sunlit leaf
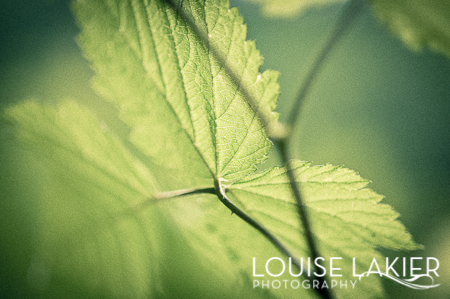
[157,71]
[346,217]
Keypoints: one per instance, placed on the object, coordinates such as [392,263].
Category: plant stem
[342,26]
[302,213]
[220,192]
[344,23]
[162,196]
[183,192]
[346,19]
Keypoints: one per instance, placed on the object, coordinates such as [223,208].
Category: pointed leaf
[157,71]
[290,8]
[346,217]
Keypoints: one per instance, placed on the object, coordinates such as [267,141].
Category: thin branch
[132,211]
[347,18]
[163,196]
[183,192]
[220,192]
[344,23]
[303,216]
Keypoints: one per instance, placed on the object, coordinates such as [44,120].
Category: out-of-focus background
[377,107]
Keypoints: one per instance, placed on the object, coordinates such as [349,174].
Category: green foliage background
[377,108]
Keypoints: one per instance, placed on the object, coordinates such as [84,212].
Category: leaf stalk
[221,194]
[162,196]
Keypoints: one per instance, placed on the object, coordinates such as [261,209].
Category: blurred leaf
[97,232]
[419,23]
[290,8]
[89,183]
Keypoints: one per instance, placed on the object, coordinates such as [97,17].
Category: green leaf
[83,147]
[157,71]
[97,231]
[107,205]
[88,184]
[346,217]
[418,23]
[290,8]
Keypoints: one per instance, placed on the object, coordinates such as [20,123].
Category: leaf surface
[346,217]
[158,72]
